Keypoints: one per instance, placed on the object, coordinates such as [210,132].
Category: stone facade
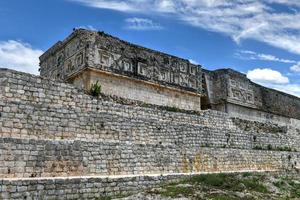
[138,73]
[72,60]
[230,91]
[57,142]
[51,134]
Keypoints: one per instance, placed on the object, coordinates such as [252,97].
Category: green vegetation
[258,148]
[271,148]
[253,184]
[173,109]
[286,184]
[295,192]
[174,191]
[104,198]
[118,196]
[285,149]
[235,186]
[95,89]
[221,197]
[246,186]
[229,182]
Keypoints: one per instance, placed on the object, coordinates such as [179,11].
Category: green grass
[246,174]
[221,197]
[173,109]
[288,185]
[221,181]
[104,198]
[295,191]
[228,186]
[175,191]
[280,185]
[253,184]
[216,180]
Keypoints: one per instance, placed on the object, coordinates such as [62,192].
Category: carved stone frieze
[101,51]
[241,90]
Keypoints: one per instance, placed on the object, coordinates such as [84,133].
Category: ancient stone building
[229,91]
[138,73]
[57,142]
[124,69]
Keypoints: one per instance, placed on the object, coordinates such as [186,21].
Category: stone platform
[56,141]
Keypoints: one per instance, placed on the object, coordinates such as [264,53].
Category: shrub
[95,89]
[212,179]
[173,109]
[258,147]
[269,147]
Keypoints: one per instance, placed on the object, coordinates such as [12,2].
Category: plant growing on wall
[95,89]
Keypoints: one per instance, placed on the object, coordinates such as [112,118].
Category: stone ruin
[134,72]
[160,118]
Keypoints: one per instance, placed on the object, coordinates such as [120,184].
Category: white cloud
[240,19]
[110,4]
[88,27]
[251,55]
[194,62]
[19,56]
[295,68]
[273,79]
[267,75]
[142,24]
[293,89]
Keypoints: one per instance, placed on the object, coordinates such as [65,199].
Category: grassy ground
[245,186]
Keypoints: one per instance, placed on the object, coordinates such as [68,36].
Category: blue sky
[258,38]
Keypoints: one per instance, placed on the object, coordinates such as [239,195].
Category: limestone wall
[230,91]
[135,89]
[51,129]
[78,187]
[85,48]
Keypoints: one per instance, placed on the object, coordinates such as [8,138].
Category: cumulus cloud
[240,20]
[267,75]
[251,55]
[142,24]
[274,79]
[19,56]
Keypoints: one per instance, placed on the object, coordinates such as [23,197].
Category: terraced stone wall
[50,129]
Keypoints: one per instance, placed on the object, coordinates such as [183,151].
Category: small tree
[95,89]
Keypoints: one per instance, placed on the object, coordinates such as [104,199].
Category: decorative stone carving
[164,75]
[183,80]
[104,58]
[241,90]
[144,70]
[127,66]
[100,51]
[79,59]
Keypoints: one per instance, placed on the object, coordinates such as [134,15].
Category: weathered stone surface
[230,91]
[124,69]
[138,73]
[98,50]
[53,129]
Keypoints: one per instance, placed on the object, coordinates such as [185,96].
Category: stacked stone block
[50,129]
